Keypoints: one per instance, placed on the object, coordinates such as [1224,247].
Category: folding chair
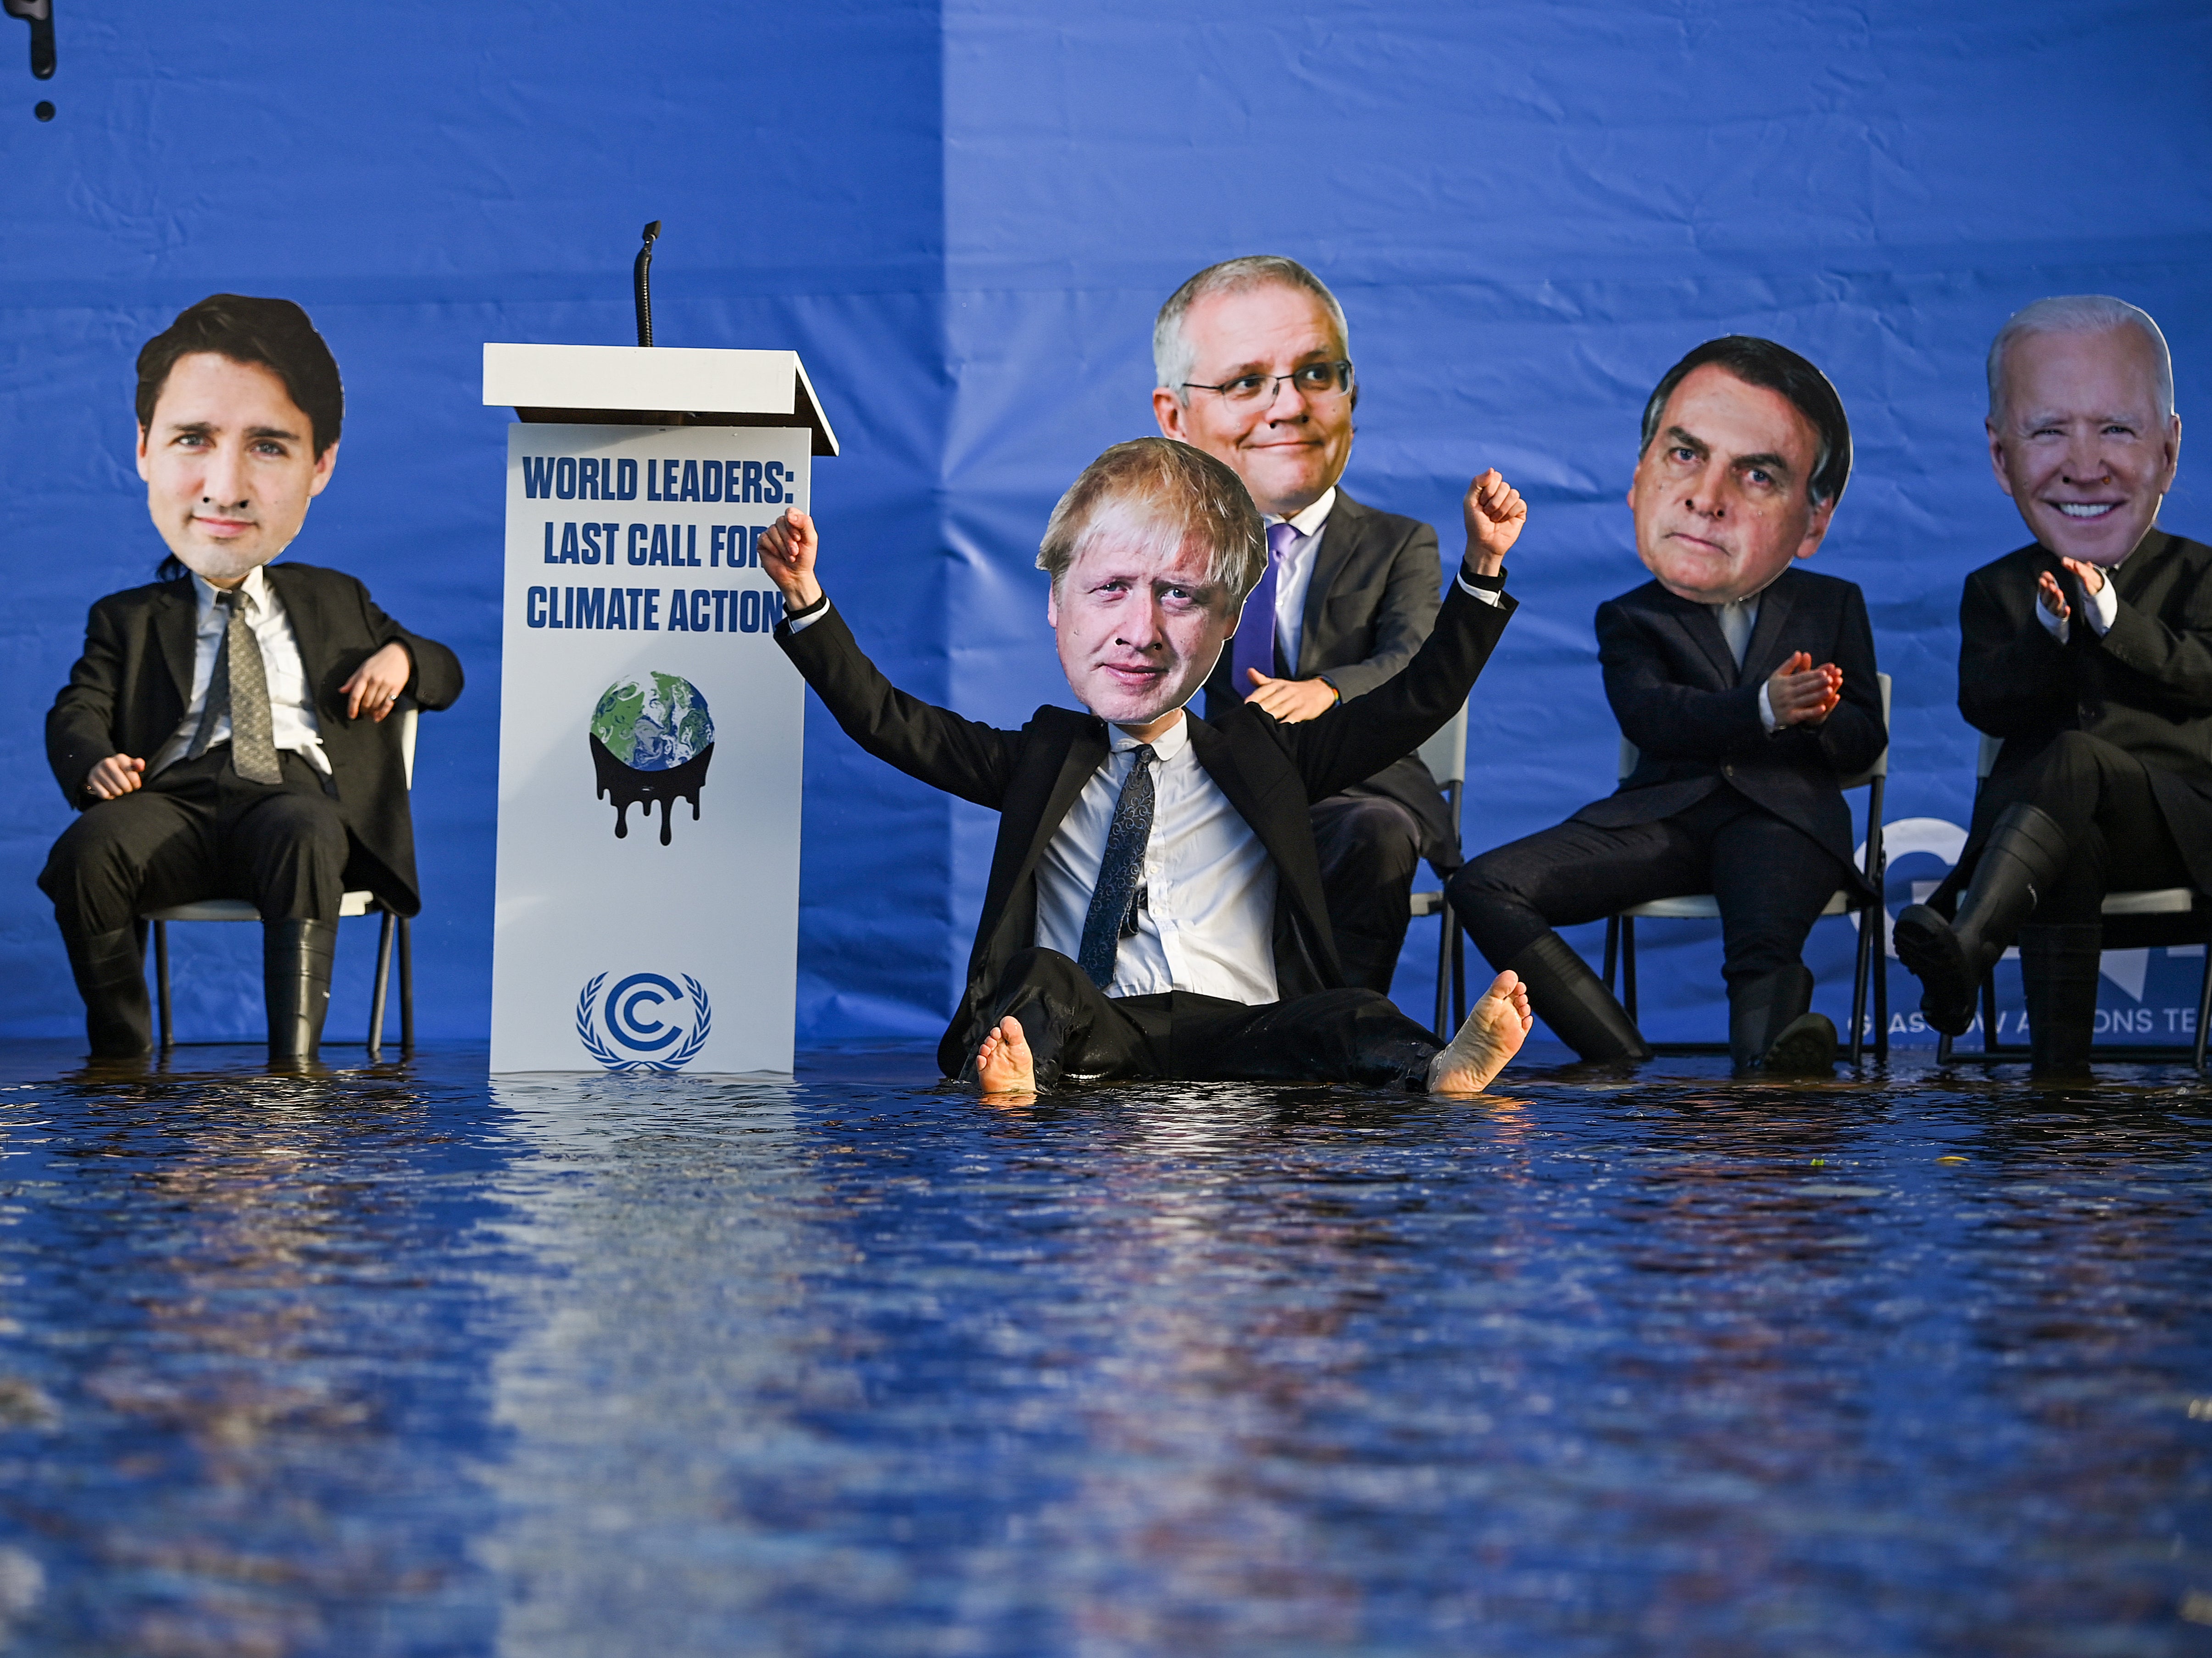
[353,903]
[1445,755]
[2134,919]
[1621,929]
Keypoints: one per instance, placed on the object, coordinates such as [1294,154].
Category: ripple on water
[398,1360]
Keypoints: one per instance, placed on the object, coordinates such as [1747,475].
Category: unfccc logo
[645,1016]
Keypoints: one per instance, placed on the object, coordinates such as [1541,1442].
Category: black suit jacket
[1693,715]
[2145,686]
[1270,772]
[129,691]
[1372,600]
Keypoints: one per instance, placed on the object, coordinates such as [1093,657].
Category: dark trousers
[1771,880]
[200,830]
[1370,847]
[1077,1033]
[2117,833]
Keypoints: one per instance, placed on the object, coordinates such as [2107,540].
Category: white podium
[646,913]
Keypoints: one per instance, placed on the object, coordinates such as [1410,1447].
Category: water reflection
[219,1300]
[399,1362]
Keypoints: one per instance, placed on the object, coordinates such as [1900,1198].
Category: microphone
[641,274]
[40,14]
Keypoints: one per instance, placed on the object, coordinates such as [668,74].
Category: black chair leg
[1447,924]
[406,986]
[1882,1000]
[383,984]
[162,982]
[1459,979]
[1628,967]
[1869,926]
[2203,1008]
[1612,947]
[1989,1011]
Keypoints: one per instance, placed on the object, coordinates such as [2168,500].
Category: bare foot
[1004,1064]
[1495,1029]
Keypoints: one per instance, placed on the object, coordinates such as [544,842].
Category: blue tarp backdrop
[963,218]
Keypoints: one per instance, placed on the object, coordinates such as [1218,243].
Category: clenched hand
[1494,513]
[115,776]
[788,547]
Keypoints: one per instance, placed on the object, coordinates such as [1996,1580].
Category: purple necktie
[1255,644]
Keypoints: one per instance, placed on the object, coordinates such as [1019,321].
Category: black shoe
[295,978]
[1950,983]
[110,969]
[1772,1027]
[1806,1047]
[2027,852]
[1573,1000]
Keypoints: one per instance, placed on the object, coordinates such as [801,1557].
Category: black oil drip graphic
[627,787]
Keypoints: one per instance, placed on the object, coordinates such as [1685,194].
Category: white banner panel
[649,754]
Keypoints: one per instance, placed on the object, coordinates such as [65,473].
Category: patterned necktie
[1255,644]
[239,686]
[1113,900]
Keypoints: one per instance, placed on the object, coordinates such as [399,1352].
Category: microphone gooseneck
[641,284]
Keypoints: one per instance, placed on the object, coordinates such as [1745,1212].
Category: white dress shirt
[1206,923]
[1737,618]
[291,699]
[1294,574]
[2101,607]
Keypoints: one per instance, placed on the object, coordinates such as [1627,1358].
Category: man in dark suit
[1154,907]
[1749,689]
[2090,653]
[222,734]
[1254,367]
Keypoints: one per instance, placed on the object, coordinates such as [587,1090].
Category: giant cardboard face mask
[230,466]
[2082,445]
[1720,495]
[1289,446]
[1139,625]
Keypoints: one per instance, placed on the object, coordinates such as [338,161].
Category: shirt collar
[1750,601]
[1308,522]
[1166,747]
[255,587]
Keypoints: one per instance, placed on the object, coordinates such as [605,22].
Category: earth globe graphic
[652,737]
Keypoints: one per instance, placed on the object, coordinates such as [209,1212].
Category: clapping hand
[1290,700]
[2054,597]
[1803,694]
[1494,513]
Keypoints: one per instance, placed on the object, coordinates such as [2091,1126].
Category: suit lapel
[1086,752]
[176,625]
[2136,574]
[1341,536]
[298,600]
[1761,652]
[1705,632]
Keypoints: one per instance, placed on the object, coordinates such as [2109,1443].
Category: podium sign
[649,754]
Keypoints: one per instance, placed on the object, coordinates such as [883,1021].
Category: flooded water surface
[400,1360]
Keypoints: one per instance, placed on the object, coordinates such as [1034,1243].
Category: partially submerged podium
[646,917]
